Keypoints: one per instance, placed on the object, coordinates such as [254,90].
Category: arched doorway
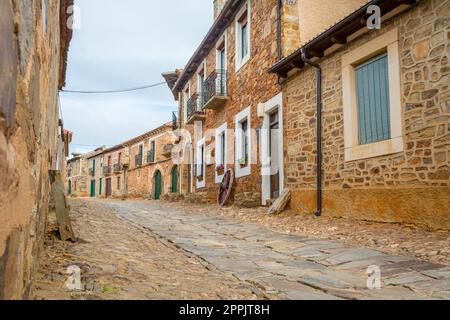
[174,179]
[158,185]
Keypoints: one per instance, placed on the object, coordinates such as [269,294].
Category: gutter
[279,13]
[318,213]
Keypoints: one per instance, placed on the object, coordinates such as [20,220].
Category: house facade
[228,102]
[152,173]
[115,161]
[34,42]
[95,173]
[384,96]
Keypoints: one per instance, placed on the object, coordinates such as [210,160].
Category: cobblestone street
[139,249]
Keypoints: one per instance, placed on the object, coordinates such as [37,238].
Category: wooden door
[174,176]
[92,188]
[108,188]
[158,185]
[274,156]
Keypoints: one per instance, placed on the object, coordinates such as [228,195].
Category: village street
[139,249]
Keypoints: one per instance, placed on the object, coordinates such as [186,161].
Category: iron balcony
[138,160]
[195,111]
[107,170]
[215,90]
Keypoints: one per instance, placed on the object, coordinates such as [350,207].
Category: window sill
[242,63]
[373,150]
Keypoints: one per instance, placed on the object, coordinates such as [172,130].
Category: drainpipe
[319,130]
[279,13]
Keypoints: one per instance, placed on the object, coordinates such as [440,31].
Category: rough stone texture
[141,179]
[412,186]
[248,87]
[117,177]
[262,260]
[28,134]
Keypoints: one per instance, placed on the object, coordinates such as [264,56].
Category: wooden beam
[315,53]
[408,2]
[339,39]
[298,64]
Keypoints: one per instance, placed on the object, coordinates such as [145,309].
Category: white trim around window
[239,119]
[389,43]
[240,60]
[198,163]
[222,130]
[222,43]
[276,103]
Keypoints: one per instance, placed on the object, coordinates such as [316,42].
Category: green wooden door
[174,175]
[100,186]
[92,188]
[69,192]
[158,185]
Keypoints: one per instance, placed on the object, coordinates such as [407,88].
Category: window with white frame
[243,31]
[243,143]
[200,167]
[372,100]
[221,152]
[186,96]
[201,75]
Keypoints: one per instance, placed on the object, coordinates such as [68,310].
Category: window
[200,84]
[200,166]
[120,158]
[221,152]
[186,97]
[243,143]
[372,92]
[243,36]
[152,152]
[118,183]
[372,99]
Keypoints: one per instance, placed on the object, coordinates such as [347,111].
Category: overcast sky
[122,44]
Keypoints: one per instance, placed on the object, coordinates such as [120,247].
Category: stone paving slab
[290,266]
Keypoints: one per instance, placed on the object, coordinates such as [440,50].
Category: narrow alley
[140,249]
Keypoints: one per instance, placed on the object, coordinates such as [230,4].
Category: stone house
[383,97]
[115,164]
[152,173]
[228,102]
[76,184]
[34,43]
[95,173]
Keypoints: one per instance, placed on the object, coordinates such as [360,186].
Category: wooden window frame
[387,42]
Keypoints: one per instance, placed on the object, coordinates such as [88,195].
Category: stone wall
[248,87]
[141,178]
[29,78]
[411,186]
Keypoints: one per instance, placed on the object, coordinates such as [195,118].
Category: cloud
[124,44]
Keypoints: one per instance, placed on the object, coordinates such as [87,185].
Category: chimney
[218,6]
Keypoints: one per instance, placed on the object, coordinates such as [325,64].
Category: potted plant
[220,169]
[243,162]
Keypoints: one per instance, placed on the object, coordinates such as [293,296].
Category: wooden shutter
[372,86]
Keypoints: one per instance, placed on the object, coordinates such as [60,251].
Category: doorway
[271,144]
[69,191]
[274,155]
[158,185]
[174,179]
[92,188]
[108,187]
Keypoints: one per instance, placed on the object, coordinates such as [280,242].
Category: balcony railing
[174,121]
[138,160]
[195,110]
[118,167]
[107,170]
[167,149]
[215,90]
[150,157]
